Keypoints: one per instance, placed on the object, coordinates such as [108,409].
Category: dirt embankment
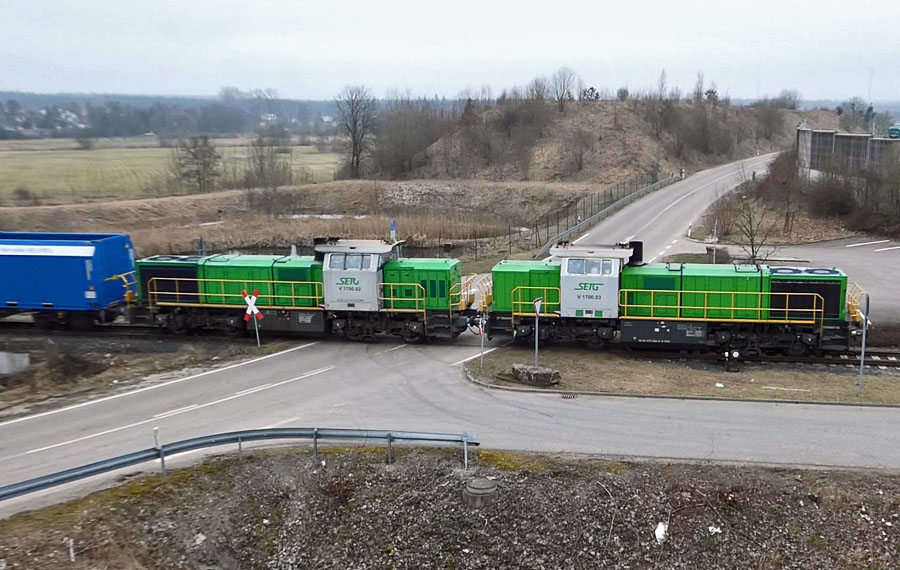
[426,211]
[351,510]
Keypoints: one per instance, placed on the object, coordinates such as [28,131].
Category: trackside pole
[481,326]
[537,320]
[256,328]
[860,385]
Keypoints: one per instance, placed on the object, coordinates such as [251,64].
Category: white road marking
[398,347]
[629,238]
[174,412]
[474,356]
[868,243]
[668,247]
[155,386]
[251,390]
[652,259]
[281,423]
[888,248]
[582,237]
[674,241]
[168,414]
[663,252]
[689,194]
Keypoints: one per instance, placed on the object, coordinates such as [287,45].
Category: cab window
[592,267]
[607,267]
[353,261]
[576,267]
[337,261]
[366,262]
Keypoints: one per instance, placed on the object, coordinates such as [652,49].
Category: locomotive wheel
[412,337]
[797,349]
[178,324]
[354,334]
[234,327]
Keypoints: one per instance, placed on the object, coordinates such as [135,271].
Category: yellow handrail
[854,296]
[176,291]
[387,293]
[128,281]
[760,307]
[522,302]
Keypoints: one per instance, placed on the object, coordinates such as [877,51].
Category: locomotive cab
[589,280]
[352,273]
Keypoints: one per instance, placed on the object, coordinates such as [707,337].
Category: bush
[831,196]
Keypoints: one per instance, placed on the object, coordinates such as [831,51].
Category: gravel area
[283,510]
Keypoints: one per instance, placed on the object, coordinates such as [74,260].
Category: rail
[227,293]
[235,437]
[522,301]
[730,306]
[612,208]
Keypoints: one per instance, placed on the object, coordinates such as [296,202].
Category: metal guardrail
[615,206]
[238,437]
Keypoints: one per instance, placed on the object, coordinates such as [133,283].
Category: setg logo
[348,281]
[588,287]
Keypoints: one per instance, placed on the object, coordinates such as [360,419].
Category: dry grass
[428,212]
[585,370]
[60,174]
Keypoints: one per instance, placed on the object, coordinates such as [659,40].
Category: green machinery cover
[713,290]
[439,278]
[227,275]
[305,274]
[510,274]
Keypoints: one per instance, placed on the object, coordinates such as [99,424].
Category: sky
[312,49]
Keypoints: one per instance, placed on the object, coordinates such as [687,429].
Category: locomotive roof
[589,251]
[357,246]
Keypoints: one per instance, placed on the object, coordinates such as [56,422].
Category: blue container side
[37,276]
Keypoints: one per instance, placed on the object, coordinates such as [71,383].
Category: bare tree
[197,163]
[561,86]
[358,111]
[661,86]
[753,228]
[579,144]
[538,89]
[698,89]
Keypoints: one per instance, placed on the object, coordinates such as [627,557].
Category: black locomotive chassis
[412,326]
[746,338]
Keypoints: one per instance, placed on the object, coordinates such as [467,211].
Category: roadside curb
[703,242]
[481,381]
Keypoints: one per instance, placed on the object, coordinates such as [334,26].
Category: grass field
[55,171]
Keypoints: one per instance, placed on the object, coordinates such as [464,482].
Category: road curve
[422,388]
[663,217]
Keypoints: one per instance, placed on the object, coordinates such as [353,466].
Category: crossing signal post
[252,311]
[537,320]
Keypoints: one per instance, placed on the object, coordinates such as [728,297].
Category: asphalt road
[662,218]
[422,388]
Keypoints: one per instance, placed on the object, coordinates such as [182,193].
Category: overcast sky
[311,49]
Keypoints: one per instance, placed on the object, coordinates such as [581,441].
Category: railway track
[879,359]
[116,331]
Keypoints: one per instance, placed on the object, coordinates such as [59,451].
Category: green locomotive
[597,294]
[358,288]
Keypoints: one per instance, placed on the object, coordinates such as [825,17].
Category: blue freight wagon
[71,279]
